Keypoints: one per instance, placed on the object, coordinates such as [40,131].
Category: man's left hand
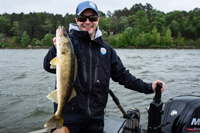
[154,84]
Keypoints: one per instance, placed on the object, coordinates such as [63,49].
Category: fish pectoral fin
[73,94]
[53,66]
[54,62]
[53,96]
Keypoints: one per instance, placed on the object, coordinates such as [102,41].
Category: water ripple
[24,84]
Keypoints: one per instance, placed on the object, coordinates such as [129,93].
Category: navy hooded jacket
[97,63]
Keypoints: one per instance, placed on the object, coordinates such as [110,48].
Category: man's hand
[154,84]
[54,42]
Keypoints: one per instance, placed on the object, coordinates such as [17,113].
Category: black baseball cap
[86,5]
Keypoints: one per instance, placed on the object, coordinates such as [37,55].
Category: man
[97,63]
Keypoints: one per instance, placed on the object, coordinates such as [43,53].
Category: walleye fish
[66,70]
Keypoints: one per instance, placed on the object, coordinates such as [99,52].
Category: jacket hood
[73,26]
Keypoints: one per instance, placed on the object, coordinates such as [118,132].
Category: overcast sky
[69,6]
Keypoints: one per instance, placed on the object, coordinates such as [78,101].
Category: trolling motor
[132,121]
[155,111]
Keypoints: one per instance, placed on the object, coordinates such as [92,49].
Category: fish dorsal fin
[53,96]
[54,62]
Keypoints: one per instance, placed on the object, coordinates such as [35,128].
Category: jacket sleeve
[49,56]
[121,75]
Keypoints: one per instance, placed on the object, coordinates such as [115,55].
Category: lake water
[24,84]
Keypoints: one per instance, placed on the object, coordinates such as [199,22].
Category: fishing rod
[132,117]
[116,100]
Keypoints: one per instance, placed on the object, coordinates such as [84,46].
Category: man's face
[87,25]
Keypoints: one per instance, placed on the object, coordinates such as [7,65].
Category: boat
[179,115]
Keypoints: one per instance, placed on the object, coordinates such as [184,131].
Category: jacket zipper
[96,70]
[84,70]
[90,82]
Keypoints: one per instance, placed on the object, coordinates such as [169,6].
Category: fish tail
[54,122]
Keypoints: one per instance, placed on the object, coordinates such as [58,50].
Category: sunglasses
[92,18]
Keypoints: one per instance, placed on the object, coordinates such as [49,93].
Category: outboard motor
[181,115]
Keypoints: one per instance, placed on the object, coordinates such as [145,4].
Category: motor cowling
[181,115]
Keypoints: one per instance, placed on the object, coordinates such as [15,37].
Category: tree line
[139,26]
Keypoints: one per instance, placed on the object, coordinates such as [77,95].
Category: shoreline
[130,47]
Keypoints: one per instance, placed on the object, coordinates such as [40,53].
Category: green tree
[48,26]
[110,23]
[197,24]
[102,14]
[175,20]
[123,40]
[141,23]
[103,24]
[155,35]
[25,40]
[198,42]
[4,24]
[16,39]
[112,40]
[192,24]
[148,39]
[109,14]
[132,41]
[36,42]
[69,18]
[179,38]
[15,28]
[47,40]
[157,19]
[140,40]
[58,24]
[158,38]
[175,26]
[191,31]
[16,31]
[123,22]
[163,30]
[163,41]
[168,38]
[182,41]
[131,19]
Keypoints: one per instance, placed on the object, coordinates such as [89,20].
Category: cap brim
[85,9]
